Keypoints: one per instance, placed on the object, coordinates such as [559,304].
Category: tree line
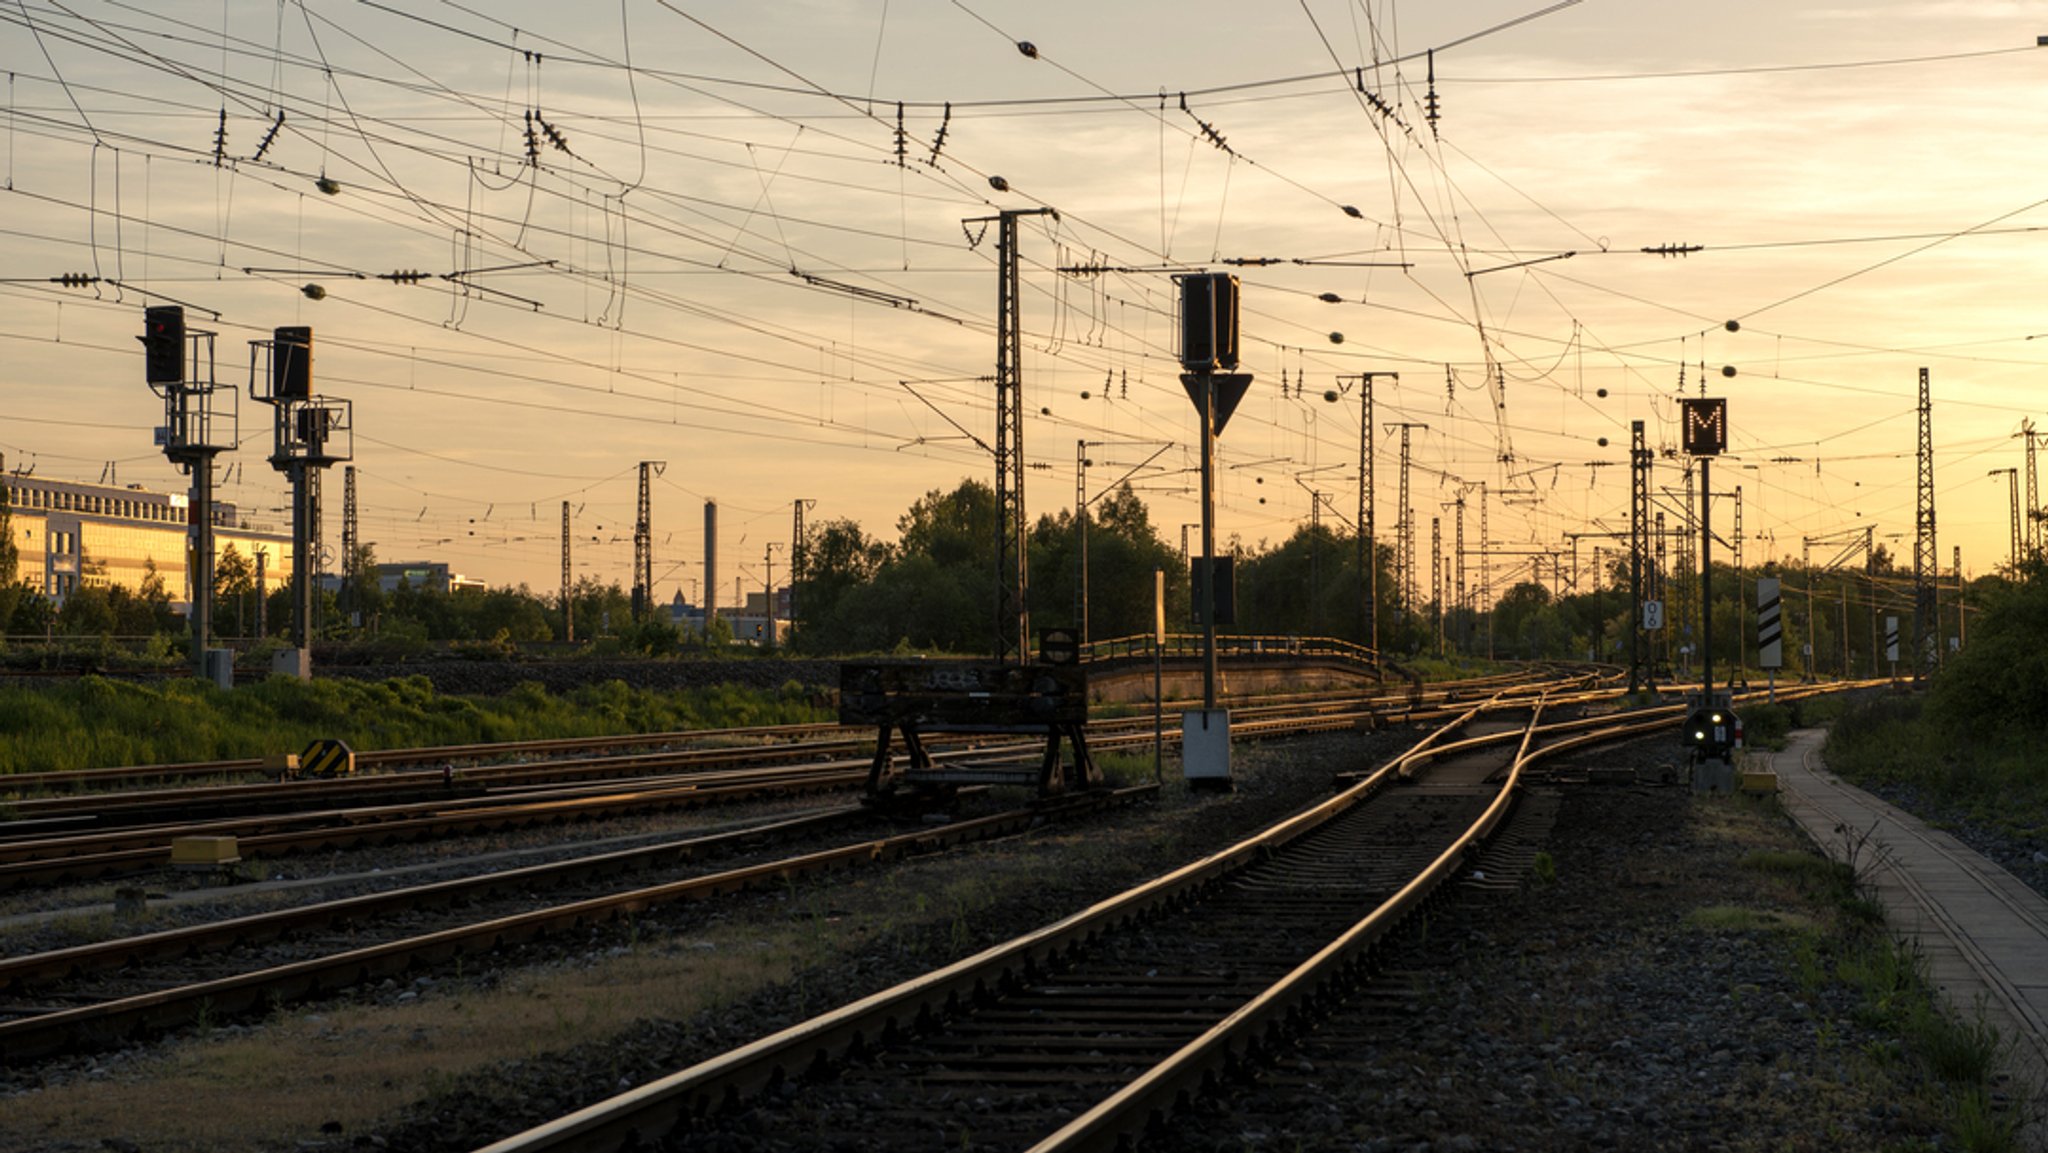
[933,589]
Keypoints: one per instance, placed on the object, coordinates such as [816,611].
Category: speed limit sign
[1653,615]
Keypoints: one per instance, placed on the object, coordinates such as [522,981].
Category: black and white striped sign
[1770,632]
[1891,639]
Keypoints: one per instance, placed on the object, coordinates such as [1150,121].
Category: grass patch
[1765,725]
[1739,919]
[358,1064]
[1940,1063]
[1125,769]
[1798,866]
[1451,668]
[96,722]
[1811,712]
[1999,779]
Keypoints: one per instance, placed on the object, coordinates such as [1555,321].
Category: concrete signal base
[295,663]
[1205,748]
[1713,775]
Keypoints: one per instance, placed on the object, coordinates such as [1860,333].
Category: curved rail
[658,1106]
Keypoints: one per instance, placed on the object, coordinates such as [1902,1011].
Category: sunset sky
[721,262]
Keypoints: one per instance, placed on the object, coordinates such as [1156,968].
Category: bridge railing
[1231,647]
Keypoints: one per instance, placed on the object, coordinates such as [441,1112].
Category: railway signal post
[312,432]
[200,423]
[1713,731]
[1208,330]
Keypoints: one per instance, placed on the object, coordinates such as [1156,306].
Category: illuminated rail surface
[128,833]
[1081,1034]
[91,996]
[478,758]
[75,836]
[87,996]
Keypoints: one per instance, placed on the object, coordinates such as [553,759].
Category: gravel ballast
[1596,1008]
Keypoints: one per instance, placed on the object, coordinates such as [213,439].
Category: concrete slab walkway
[1984,933]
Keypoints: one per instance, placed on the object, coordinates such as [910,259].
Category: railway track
[93,856]
[46,793]
[87,836]
[94,995]
[78,838]
[1077,1035]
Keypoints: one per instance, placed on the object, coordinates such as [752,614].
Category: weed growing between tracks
[95,722]
[1948,1064]
[466,1061]
[1686,978]
[277,1083]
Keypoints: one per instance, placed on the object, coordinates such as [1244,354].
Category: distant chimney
[710,561]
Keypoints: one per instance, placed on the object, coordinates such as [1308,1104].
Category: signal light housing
[163,344]
[1713,734]
[1208,321]
[291,363]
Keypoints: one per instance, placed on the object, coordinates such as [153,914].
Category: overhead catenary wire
[1521,363]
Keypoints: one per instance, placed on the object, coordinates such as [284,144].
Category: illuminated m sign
[1705,426]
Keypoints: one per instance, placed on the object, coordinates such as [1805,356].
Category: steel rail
[503,776]
[364,816]
[30,1038]
[87,855]
[75,809]
[525,812]
[73,778]
[646,1112]
[1268,1018]
[19,973]
[104,853]
[658,1105]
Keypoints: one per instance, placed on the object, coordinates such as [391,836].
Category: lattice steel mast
[1404,530]
[799,558]
[643,543]
[1640,461]
[1926,604]
[1012,619]
[1436,579]
[568,604]
[2033,515]
[351,573]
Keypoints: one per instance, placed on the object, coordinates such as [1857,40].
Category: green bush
[1999,777]
[1999,683]
[1765,725]
[95,722]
